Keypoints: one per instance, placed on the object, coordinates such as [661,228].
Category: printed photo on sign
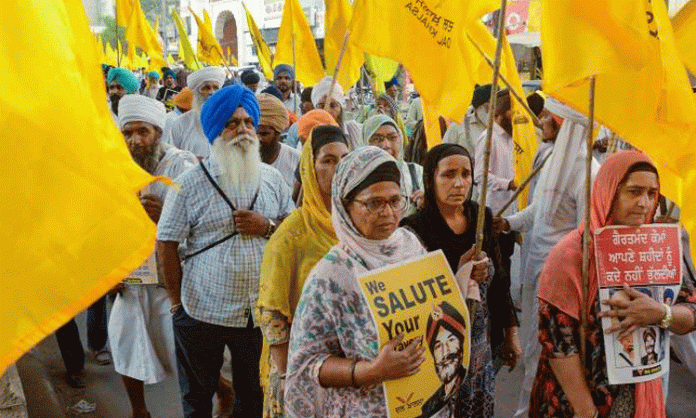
[421,300]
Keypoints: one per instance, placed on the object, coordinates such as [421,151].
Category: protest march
[347,208]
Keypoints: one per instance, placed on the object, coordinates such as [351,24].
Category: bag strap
[414,176]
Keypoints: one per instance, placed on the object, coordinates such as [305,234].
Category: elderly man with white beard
[226,209]
[142,341]
[186,132]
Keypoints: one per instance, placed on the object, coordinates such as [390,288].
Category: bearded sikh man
[284,80]
[120,82]
[142,340]
[273,121]
[187,132]
[235,196]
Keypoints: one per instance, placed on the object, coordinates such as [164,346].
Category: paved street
[48,396]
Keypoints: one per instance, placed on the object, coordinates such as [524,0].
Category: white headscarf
[137,108]
[322,89]
[197,78]
[569,146]
[351,171]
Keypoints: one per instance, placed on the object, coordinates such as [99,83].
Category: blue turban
[283,68]
[123,77]
[273,90]
[219,107]
[153,74]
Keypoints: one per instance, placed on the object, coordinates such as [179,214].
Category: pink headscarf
[560,283]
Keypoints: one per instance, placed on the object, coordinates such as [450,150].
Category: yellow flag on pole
[642,91]
[186,53]
[207,22]
[262,49]
[685,34]
[209,49]
[431,124]
[296,34]
[73,223]
[337,18]
[523,130]
[140,34]
[428,38]
[124,8]
[381,70]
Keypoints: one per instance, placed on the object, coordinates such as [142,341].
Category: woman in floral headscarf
[625,193]
[334,342]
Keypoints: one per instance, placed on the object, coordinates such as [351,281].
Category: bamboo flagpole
[586,234]
[522,186]
[507,83]
[327,103]
[489,133]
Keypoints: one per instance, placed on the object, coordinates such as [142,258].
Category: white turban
[137,108]
[197,78]
[322,89]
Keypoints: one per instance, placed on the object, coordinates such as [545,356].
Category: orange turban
[311,119]
[184,98]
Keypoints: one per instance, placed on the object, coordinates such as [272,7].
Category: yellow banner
[262,49]
[73,224]
[337,19]
[421,300]
[186,53]
[296,35]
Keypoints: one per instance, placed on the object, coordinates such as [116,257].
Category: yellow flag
[207,22]
[431,124]
[140,34]
[99,45]
[428,38]
[337,19]
[651,105]
[381,70]
[523,130]
[685,34]
[209,49]
[262,49]
[110,55]
[124,8]
[294,27]
[185,50]
[73,224]
[170,60]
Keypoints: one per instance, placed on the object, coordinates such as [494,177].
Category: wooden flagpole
[522,186]
[586,234]
[327,103]
[489,133]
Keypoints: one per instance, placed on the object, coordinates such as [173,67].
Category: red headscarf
[560,283]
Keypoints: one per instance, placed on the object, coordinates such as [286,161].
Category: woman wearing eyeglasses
[447,221]
[334,342]
[383,132]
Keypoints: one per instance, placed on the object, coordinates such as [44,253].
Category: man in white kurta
[142,339]
[186,132]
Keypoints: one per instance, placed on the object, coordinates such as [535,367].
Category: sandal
[102,357]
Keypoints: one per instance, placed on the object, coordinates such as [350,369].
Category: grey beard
[240,167]
[149,163]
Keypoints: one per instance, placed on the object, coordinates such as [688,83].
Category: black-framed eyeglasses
[377,204]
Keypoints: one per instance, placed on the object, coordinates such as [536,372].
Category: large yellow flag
[262,49]
[428,38]
[295,34]
[124,8]
[381,70]
[523,130]
[337,18]
[186,53]
[642,91]
[685,34]
[207,22]
[209,49]
[72,224]
[140,34]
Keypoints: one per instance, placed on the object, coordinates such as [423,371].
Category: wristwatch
[271,228]
[667,319]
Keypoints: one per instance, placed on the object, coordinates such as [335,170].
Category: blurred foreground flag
[685,34]
[428,38]
[72,224]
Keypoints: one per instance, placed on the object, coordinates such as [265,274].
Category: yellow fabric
[99,46]
[381,70]
[430,43]
[207,22]
[110,55]
[534,16]
[650,105]
[336,19]
[72,223]
[262,49]
[308,67]
[431,123]
[523,130]
[140,34]
[684,24]
[209,49]
[124,9]
[186,53]
[300,242]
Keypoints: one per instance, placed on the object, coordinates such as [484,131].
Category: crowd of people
[284,197]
